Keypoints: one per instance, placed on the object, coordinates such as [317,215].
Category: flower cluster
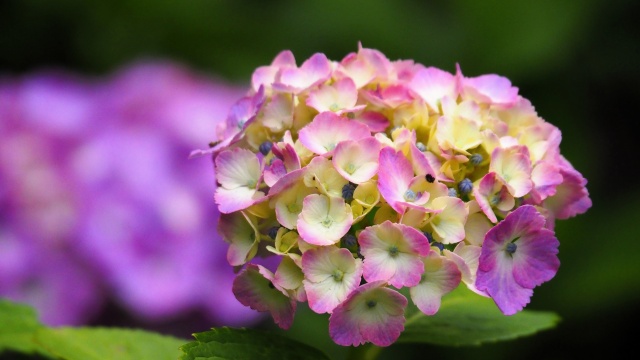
[99,201]
[367,176]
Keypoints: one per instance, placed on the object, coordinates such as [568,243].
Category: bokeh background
[140,60]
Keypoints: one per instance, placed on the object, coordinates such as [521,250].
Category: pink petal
[357,69]
[266,75]
[339,97]
[237,167]
[448,223]
[375,121]
[277,113]
[432,84]
[289,276]
[394,175]
[357,161]
[390,97]
[230,201]
[254,288]
[466,258]
[316,209]
[513,167]
[510,277]
[491,89]
[572,196]
[392,253]
[272,173]
[289,190]
[239,231]
[321,266]
[535,260]
[490,193]
[440,277]
[426,163]
[327,129]
[372,313]
[546,177]
[500,284]
[286,161]
[313,71]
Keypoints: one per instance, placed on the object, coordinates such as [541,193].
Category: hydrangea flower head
[331,274]
[389,174]
[517,255]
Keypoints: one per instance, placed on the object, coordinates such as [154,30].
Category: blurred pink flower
[100,201]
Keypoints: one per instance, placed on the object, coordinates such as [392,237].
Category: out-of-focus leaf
[18,324]
[227,343]
[21,332]
[466,318]
[106,343]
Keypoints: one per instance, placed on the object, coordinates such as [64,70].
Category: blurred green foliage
[577,61]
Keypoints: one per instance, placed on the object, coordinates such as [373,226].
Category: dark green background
[577,61]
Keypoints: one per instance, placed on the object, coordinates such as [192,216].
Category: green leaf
[18,324]
[466,318]
[227,343]
[89,343]
[20,331]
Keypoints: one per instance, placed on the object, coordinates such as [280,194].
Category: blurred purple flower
[99,198]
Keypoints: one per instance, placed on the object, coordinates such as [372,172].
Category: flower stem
[364,352]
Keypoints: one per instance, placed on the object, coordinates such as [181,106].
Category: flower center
[327,222]
[350,169]
[371,304]
[410,195]
[511,248]
[393,251]
[337,275]
[293,208]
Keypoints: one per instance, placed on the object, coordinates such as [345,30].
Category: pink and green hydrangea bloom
[517,255]
[392,252]
[357,161]
[490,193]
[397,181]
[440,277]
[239,173]
[379,174]
[255,287]
[327,129]
[331,274]
[339,97]
[239,230]
[372,313]
[324,220]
